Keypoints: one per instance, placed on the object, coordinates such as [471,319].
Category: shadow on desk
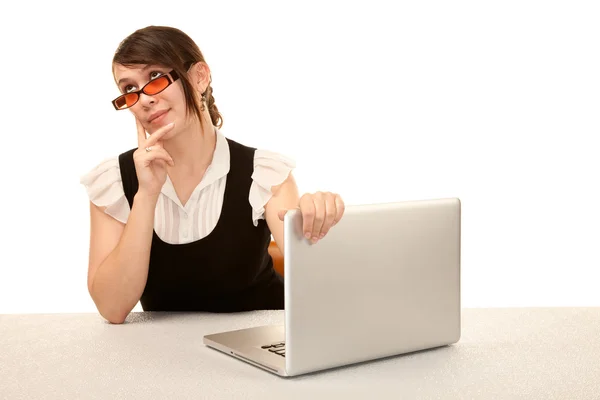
[380,362]
[150,316]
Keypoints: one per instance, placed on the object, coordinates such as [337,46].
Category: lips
[157,116]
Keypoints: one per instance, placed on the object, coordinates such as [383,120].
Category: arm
[119,258]
[285,196]
[320,211]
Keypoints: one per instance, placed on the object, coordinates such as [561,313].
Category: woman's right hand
[151,166]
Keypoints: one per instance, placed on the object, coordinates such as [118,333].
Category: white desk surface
[520,353]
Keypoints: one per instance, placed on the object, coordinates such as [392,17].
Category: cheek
[178,97]
[137,110]
[136,115]
[179,113]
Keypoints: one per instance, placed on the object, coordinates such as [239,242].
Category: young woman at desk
[183,222]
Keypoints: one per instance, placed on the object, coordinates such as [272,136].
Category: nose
[146,100]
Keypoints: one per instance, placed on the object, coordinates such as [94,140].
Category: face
[157,110]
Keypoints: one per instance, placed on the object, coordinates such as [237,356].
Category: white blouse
[178,224]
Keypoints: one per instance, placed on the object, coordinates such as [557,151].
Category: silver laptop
[384,281]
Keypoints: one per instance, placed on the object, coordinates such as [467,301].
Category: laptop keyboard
[277,348]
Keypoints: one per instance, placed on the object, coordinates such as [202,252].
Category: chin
[169,135]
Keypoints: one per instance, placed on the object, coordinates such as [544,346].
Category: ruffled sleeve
[105,189]
[270,169]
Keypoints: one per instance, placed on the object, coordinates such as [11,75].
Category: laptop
[384,281]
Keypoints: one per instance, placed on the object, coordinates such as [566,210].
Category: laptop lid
[384,281]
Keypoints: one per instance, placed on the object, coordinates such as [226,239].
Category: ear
[201,76]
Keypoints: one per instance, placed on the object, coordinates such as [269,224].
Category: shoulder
[240,150]
[104,188]
[268,158]
[107,169]
[126,158]
[259,156]
[271,169]
[104,169]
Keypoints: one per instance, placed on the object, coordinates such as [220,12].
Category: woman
[183,222]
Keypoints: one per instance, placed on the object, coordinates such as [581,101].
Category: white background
[496,103]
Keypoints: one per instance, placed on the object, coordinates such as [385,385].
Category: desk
[528,353]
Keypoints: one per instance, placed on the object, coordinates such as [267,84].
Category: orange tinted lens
[156,85]
[127,100]
[130,99]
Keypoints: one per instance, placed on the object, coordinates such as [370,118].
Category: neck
[192,150]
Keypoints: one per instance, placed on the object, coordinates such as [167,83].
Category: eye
[153,75]
[128,88]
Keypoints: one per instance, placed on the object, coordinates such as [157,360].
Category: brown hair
[170,47]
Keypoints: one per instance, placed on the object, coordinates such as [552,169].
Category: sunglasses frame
[170,76]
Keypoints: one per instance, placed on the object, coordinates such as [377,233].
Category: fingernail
[307,235]
[322,236]
[315,240]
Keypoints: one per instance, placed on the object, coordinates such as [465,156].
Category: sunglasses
[155,86]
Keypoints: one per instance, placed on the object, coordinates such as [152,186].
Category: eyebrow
[129,79]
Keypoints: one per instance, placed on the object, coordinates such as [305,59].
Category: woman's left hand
[320,211]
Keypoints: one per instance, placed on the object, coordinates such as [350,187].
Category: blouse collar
[218,168]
